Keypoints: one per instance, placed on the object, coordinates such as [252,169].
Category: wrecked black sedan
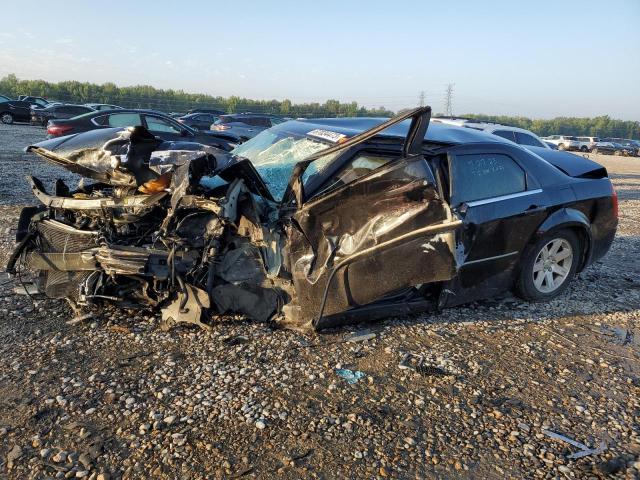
[312,223]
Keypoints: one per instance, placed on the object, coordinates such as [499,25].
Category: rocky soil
[118,397]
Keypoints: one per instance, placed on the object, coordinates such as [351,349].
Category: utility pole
[448,100]
[421,98]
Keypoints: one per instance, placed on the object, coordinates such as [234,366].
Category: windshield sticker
[333,137]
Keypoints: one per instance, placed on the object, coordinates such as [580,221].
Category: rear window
[482,176]
[526,139]
[508,134]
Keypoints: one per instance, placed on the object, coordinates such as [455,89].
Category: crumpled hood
[132,157]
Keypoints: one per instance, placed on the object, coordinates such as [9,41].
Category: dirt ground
[117,397]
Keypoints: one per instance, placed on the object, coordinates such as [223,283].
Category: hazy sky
[539,59]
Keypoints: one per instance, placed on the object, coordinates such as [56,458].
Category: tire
[541,280]
[562,147]
[583,148]
[617,153]
[6,118]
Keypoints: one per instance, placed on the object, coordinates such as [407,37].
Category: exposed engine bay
[195,231]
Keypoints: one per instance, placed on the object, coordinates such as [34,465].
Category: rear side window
[263,122]
[206,118]
[526,139]
[508,134]
[482,176]
[78,110]
[254,121]
[123,120]
[157,124]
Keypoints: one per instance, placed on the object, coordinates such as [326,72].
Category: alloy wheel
[552,265]
[7,118]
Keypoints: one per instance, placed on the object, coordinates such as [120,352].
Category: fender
[572,218]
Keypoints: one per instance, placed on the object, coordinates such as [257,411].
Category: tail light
[220,127]
[58,130]
[615,202]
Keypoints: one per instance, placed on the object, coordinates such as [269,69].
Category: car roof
[55,105]
[494,127]
[436,132]
[249,114]
[127,110]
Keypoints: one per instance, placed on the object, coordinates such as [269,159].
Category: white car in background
[564,142]
[587,143]
[518,135]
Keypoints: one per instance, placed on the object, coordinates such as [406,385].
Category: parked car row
[612,146]
[231,127]
[39,110]
[240,127]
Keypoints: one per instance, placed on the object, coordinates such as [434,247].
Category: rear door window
[123,120]
[483,176]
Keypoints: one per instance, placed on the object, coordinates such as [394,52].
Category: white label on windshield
[333,137]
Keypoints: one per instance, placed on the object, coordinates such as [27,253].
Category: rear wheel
[562,147]
[549,266]
[584,148]
[7,118]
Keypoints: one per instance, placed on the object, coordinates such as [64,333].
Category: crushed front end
[147,231]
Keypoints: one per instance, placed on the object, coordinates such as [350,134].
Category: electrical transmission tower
[448,100]
[421,98]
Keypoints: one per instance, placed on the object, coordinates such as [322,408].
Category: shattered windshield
[276,151]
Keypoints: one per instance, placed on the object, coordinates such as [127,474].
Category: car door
[21,111]
[500,204]
[384,231]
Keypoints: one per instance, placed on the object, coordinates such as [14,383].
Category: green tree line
[602,126]
[145,96]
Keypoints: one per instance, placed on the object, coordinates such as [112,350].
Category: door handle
[534,208]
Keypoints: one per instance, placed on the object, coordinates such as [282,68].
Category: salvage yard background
[118,397]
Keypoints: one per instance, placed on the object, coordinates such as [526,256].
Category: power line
[448,100]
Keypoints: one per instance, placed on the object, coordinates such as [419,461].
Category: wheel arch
[570,219]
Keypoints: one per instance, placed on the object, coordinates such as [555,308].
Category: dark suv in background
[41,116]
[15,111]
[245,125]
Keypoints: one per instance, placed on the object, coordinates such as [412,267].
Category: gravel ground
[15,164]
[117,397]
